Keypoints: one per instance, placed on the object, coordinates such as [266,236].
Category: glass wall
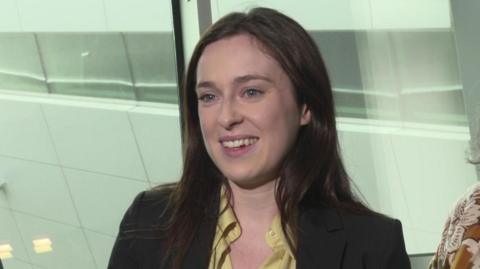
[395,75]
[124,65]
[88,119]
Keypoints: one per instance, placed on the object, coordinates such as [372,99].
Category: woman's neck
[254,207]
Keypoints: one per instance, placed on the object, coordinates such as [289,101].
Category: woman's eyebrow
[245,78]
[205,84]
[236,81]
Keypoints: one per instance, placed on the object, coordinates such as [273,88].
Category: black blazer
[328,239]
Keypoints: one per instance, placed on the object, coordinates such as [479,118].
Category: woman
[263,184]
[459,246]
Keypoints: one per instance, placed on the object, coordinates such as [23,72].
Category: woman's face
[248,113]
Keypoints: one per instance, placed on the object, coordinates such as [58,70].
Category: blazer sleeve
[122,253]
[396,256]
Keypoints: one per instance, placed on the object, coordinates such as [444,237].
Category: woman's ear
[305,117]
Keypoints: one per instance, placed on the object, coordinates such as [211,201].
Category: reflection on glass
[20,65]
[409,76]
[153,66]
[131,66]
[86,64]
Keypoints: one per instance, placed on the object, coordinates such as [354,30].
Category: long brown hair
[313,171]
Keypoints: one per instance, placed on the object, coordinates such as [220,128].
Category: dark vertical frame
[179,55]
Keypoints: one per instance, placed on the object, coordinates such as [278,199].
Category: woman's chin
[249,183]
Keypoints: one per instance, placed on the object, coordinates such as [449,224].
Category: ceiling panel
[95,139]
[158,137]
[24,132]
[37,189]
[69,248]
[102,200]
[9,234]
[61,15]
[101,246]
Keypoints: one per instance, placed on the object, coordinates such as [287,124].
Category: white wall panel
[190,27]
[24,133]
[69,246]
[9,234]
[62,15]
[158,135]
[410,14]
[102,200]
[351,14]
[434,174]
[101,246]
[389,184]
[372,165]
[85,16]
[312,14]
[95,139]
[416,179]
[361,166]
[422,241]
[9,21]
[37,189]
[132,15]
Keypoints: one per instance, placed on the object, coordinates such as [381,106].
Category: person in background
[263,183]
[459,247]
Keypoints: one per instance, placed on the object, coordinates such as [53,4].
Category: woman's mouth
[237,143]
[238,147]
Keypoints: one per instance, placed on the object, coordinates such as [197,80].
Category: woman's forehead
[241,54]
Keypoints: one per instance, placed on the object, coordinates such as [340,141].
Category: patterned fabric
[459,247]
[228,230]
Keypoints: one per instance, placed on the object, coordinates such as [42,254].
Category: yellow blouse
[228,230]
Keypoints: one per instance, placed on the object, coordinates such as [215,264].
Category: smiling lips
[235,147]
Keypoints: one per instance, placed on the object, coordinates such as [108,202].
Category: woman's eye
[252,92]
[207,98]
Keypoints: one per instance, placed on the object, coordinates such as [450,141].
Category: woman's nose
[230,115]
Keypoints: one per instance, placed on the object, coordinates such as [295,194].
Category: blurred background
[89,111]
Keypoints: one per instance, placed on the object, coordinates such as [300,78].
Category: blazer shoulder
[148,209]
[368,223]
[379,237]
[140,237]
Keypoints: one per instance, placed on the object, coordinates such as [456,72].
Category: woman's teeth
[239,142]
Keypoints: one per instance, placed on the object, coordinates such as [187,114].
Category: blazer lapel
[198,255]
[321,239]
